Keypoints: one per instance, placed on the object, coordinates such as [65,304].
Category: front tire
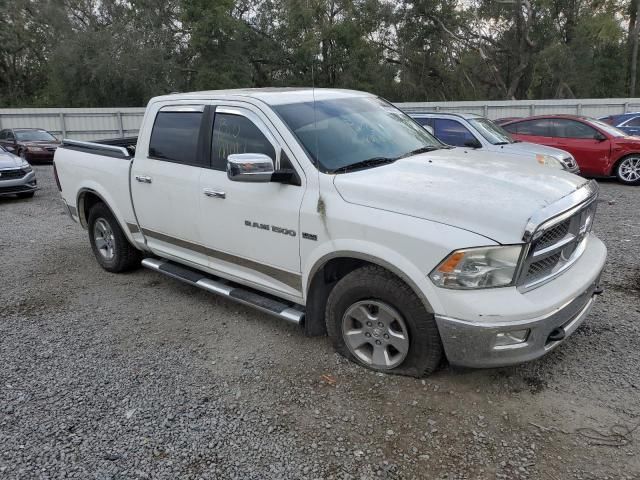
[377,321]
[110,246]
[628,170]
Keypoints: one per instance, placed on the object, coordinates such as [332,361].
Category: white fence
[100,123]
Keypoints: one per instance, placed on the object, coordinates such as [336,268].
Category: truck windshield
[491,132]
[358,131]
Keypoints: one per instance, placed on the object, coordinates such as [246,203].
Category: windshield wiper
[420,150]
[368,163]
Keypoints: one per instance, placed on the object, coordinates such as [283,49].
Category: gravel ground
[138,376]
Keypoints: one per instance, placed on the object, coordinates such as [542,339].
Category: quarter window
[236,134]
[174,137]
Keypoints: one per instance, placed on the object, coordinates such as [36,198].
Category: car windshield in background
[491,132]
[34,136]
[361,132]
[610,129]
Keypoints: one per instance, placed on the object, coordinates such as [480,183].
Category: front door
[590,148]
[251,229]
[165,184]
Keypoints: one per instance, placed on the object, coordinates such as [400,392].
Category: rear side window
[174,137]
[452,132]
[571,129]
[236,134]
[539,128]
[634,122]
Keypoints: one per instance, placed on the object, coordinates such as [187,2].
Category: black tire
[26,194]
[627,170]
[373,283]
[124,255]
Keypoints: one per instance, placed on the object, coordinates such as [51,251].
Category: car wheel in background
[628,170]
[109,243]
[376,320]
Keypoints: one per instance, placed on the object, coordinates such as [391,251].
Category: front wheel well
[322,282]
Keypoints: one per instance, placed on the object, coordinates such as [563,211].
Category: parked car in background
[32,144]
[629,123]
[599,148]
[475,131]
[16,176]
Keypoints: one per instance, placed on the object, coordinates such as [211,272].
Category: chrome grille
[554,234]
[12,174]
[555,247]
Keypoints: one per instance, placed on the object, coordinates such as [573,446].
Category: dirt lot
[137,376]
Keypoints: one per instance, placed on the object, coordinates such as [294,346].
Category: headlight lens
[484,267]
[26,166]
[549,161]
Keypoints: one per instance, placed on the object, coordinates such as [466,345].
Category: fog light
[506,339]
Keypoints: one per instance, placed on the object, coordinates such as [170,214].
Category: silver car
[16,176]
[474,131]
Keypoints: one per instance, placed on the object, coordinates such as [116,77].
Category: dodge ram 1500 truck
[334,210]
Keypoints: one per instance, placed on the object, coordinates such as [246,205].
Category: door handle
[143,179]
[214,193]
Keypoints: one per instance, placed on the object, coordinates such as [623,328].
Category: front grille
[542,268]
[11,174]
[556,247]
[553,235]
[50,149]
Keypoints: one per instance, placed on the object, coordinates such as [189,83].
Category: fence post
[579,109]
[0,121]
[532,110]
[626,107]
[120,125]
[485,111]
[63,127]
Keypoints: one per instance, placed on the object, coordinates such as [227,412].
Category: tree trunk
[634,53]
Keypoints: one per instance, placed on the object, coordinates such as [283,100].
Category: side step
[262,301]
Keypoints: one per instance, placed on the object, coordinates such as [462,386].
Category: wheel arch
[329,269]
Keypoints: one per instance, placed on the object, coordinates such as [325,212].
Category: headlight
[483,267]
[26,166]
[549,161]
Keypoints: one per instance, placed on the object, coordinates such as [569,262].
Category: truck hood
[533,149]
[475,191]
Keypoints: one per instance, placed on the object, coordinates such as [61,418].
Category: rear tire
[628,170]
[376,320]
[109,243]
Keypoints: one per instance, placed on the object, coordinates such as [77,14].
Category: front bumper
[39,157]
[550,314]
[27,183]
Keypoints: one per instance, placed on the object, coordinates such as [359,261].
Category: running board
[270,304]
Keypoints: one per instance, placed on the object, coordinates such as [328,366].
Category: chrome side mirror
[249,167]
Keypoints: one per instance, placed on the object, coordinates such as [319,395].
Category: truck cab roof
[270,96]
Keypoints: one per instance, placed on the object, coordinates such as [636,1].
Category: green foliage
[122,52]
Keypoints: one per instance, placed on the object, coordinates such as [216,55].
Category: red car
[599,148]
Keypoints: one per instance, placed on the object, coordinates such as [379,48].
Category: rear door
[590,148]
[165,182]
[251,230]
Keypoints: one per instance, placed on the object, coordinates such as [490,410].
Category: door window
[634,122]
[452,132]
[565,128]
[236,134]
[540,127]
[175,135]
[3,135]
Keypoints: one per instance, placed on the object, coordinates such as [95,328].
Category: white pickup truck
[334,210]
